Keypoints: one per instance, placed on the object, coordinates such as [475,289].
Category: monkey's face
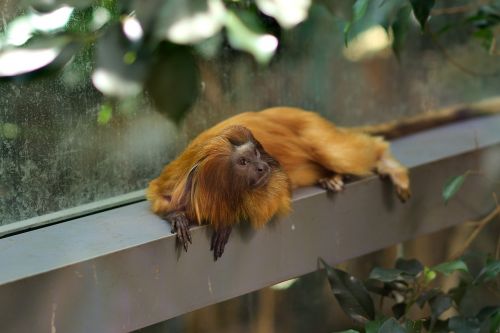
[249,164]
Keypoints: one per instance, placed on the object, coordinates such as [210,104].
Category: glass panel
[58,149]
[55,154]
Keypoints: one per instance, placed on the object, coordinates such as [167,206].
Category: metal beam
[119,270]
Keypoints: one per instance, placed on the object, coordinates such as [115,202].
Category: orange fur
[308,148]
[204,171]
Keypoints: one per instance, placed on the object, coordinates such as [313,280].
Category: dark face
[250,163]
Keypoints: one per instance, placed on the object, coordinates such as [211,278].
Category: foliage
[410,287]
[453,186]
[149,48]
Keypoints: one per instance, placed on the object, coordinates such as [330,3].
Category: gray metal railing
[119,270]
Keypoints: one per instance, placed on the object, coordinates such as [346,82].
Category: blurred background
[63,143]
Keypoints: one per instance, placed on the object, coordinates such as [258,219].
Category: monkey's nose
[261,167]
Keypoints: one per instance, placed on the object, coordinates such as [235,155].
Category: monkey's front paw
[180,225]
[332,184]
[219,241]
[403,193]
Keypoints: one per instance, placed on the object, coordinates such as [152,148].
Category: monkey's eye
[243,161]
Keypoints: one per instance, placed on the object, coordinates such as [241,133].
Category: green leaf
[348,331]
[452,187]
[411,267]
[40,56]
[51,5]
[359,9]
[439,304]
[459,324]
[422,9]
[429,275]
[386,274]
[400,28]
[490,316]
[173,82]
[114,74]
[241,37]
[378,287]
[413,326]
[373,326]
[391,326]
[347,28]
[495,323]
[458,293]
[287,13]
[426,296]
[451,266]
[190,21]
[490,271]
[486,312]
[485,36]
[486,17]
[351,294]
[105,114]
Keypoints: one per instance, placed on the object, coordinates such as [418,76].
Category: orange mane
[210,191]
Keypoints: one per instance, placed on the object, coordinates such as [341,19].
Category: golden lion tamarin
[245,167]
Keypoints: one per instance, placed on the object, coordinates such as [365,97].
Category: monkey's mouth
[261,181]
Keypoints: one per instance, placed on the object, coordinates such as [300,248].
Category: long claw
[212,242]
[219,241]
[189,237]
[180,226]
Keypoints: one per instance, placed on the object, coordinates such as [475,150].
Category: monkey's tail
[398,128]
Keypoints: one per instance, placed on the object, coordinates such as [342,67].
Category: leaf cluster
[417,305]
[150,48]
[142,47]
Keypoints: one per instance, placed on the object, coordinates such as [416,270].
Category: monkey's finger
[218,252]
[182,238]
[222,239]
[186,243]
[213,241]
[172,226]
[176,228]
[188,234]
[184,231]
[215,246]
[219,249]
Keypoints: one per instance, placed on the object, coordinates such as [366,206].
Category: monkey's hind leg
[387,165]
[346,152]
[180,226]
[334,183]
